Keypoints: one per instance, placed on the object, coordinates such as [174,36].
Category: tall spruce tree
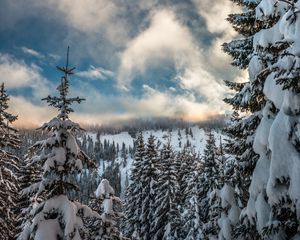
[132,224]
[276,137]
[149,181]
[9,169]
[192,215]
[55,216]
[166,223]
[109,209]
[249,99]
[211,185]
[273,70]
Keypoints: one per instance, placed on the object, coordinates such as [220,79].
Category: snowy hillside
[193,137]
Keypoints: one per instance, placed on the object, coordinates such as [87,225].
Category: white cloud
[215,13]
[29,114]
[17,74]
[165,40]
[96,73]
[90,17]
[156,103]
[32,52]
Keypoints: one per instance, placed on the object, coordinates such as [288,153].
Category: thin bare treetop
[63,103]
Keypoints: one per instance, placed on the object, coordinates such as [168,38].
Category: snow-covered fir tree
[55,216]
[28,175]
[132,224]
[211,184]
[9,169]
[248,98]
[277,135]
[272,207]
[149,180]
[110,207]
[192,216]
[229,210]
[166,223]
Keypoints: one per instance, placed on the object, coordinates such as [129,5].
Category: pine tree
[109,208]
[229,210]
[132,225]
[249,98]
[9,169]
[166,224]
[55,216]
[149,180]
[192,209]
[279,145]
[211,186]
[272,204]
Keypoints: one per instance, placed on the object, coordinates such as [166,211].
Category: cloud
[96,73]
[32,52]
[164,40]
[17,74]
[157,103]
[215,13]
[29,114]
[95,16]
[167,39]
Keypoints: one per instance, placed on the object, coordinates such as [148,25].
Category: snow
[49,230]
[198,141]
[265,8]
[107,206]
[104,189]
[67,210]
[274,91]
[267,36]
[255,66]
[263,212]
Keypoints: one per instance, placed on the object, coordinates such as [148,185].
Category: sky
[133,58]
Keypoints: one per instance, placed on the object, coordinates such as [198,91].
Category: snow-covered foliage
[53,215]
[149,180]
[273,203]
[192,217]
[132,224]
[166,222]
[107,226]
[9,169]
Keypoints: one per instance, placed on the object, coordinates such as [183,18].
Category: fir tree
[108,206]
[193,210]
[149,180]
[55,216]
[248,98]
[272,203]
[210,178]
[132,225]
[166,224]
[278,146]
[9,169]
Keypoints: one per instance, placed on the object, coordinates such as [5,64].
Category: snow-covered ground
[198,140]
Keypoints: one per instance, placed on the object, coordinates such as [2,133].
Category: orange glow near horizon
[90,120]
